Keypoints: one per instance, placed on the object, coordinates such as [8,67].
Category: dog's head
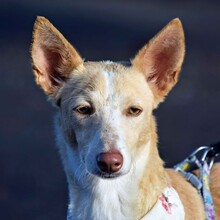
[105,108]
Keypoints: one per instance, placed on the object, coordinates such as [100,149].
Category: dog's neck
[128,197]
[107,199]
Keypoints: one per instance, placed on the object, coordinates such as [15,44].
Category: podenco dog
[106,131]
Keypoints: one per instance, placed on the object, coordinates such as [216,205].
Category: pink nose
[109,162]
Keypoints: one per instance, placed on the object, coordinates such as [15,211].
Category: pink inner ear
[46,62]
[53,56]
[49,62]
[163,57]
[52,62]
[163,68]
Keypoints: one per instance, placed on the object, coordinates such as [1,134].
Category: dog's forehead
[108,80]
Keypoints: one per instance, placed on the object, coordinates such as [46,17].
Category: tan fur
[161,59]
[63,75]
[215,188]
[53,56]
[191,200]
[151,186]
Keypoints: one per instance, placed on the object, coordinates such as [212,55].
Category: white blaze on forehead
[110,105]
[109,83]
[112,112]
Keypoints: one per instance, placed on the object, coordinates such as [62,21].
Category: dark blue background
[32,181]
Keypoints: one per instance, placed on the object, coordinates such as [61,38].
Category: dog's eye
[134,111]
[84,110]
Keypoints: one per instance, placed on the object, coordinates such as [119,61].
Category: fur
[108,107]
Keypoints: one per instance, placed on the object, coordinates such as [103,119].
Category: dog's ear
[161,59]
[53,57]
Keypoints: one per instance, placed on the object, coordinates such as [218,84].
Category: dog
[106,131]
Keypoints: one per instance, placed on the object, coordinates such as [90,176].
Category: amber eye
[84,110]
[134,111]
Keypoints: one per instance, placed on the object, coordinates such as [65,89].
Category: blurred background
[32,181]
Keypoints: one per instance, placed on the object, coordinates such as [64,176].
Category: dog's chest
[109,200]
[110,209]
[112,201]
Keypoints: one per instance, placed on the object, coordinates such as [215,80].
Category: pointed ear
[161,59]
[53,57]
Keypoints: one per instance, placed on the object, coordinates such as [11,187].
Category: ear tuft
[161,59]
[53,57]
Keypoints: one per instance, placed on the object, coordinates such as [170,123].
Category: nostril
[103,166]
[109,162]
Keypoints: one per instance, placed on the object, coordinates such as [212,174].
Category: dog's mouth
[104,175]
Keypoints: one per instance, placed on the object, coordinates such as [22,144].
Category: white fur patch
[109,83]
[113,199]
[112,113]
[168,207]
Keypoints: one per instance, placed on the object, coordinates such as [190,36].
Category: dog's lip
[107,175]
